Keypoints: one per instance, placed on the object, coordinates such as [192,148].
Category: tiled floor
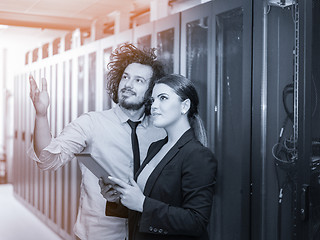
[17,222]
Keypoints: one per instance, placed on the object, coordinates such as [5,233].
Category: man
[106,135]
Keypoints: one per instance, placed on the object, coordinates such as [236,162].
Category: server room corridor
[17,222]
[255,66]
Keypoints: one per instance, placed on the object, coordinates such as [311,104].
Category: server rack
[193,43]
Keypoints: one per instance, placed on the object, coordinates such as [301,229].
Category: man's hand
[108,192]
[39,99]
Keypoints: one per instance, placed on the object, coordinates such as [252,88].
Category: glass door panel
[144,42]
[165,48]
[229,137]
[167,42]
[107,45]
[107,101]
[143,37]
[195,52]
[232,71]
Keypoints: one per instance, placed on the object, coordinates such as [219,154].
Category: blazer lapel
[186,137]
[152,153]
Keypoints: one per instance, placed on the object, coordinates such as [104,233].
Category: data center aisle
[17,222]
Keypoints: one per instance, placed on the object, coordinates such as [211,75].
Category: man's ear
[185,106]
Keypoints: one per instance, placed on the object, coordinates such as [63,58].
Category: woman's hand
[108,192]
[130,194]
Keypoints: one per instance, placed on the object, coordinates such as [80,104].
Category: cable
[284,154]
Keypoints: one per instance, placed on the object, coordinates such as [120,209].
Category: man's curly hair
[123,56]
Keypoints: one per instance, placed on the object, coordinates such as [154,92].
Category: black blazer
[179,193]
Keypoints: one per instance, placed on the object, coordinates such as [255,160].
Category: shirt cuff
[51,158]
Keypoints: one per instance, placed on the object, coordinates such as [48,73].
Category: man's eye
[139,80]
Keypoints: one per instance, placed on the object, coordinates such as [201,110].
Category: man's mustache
[123,90]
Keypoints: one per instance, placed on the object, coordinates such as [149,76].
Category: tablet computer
[94,167]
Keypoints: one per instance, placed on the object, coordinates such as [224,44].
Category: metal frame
[304,83]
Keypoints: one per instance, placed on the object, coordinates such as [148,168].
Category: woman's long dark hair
[185,89]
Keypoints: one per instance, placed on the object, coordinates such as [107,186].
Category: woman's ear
[185,106]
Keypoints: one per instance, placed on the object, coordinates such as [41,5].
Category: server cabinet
[216,56]
[196,36]
[167,42]
[92,84]
[25,131]
[143,35]
[164,35]
[65,175]
[198,43]
[46,175]
[52,195]
[74,170]
[107,45]
[81,76]
[307,117]
[123,37]
[16,129]
[231,64]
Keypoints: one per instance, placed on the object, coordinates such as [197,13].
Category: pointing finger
[33,87]
[118,181]
[33,84]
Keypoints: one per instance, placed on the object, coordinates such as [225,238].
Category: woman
[173,192]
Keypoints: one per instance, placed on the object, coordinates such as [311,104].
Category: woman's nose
[154,104]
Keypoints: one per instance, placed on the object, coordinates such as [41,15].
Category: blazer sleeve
[197,186]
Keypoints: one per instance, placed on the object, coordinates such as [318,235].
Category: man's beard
[131,106]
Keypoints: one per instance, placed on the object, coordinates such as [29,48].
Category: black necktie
[135,146]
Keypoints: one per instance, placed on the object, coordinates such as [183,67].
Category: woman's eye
[163,98]
[151,99]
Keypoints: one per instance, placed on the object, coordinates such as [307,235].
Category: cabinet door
[307,117]
[195,51]
[167,42]
[216,56]
[232,73]
[143,37]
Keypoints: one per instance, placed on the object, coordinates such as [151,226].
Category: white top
[145,173]
[150,166]
[107,136]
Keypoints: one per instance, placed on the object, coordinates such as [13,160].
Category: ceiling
[33,22]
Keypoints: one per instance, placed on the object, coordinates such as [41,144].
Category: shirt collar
[145,120]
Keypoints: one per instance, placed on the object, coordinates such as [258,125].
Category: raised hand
[39,99]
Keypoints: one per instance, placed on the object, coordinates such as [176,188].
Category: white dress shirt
[106,135]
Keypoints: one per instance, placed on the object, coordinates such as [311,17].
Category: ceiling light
[3,26]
